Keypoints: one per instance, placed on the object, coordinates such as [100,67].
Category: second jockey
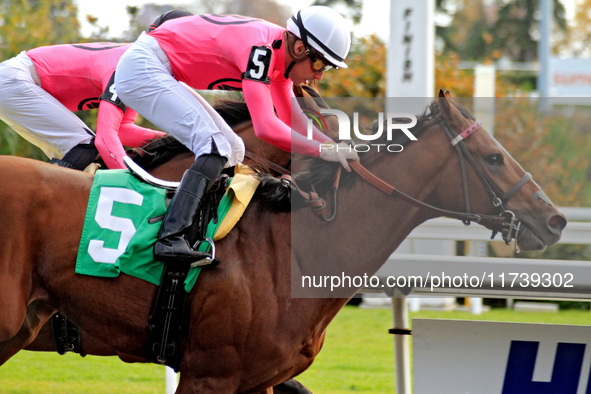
[41,87]
[232,53]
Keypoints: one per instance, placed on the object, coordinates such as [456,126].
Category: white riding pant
[35,114]
[144,82]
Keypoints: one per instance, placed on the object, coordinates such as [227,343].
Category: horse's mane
[233,111]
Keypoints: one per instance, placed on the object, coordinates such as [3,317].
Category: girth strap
[166,321]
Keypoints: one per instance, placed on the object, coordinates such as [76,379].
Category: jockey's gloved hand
[340,152]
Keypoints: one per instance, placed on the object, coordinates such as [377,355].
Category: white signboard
[476,357]
[570,77]
[411,49]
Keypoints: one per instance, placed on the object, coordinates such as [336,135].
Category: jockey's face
[302,72]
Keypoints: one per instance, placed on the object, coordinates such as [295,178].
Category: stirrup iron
[208,260]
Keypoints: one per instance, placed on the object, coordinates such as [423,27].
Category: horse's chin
[529,240]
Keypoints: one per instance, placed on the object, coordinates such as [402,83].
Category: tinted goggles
[319,64]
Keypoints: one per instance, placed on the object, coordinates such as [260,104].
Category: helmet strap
[291,41]
[288,69]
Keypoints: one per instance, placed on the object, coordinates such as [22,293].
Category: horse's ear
[449,111]
[447,94]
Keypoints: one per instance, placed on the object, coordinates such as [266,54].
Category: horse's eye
[494,159]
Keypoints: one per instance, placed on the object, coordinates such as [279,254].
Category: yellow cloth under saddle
[243,185]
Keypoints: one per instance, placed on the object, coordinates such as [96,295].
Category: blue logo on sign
[565,375]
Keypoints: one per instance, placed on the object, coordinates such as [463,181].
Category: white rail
[496,274]
[576,232]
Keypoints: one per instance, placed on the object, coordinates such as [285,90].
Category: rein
[506,222]
[390,190]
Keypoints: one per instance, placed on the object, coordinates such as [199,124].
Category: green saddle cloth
[122,222]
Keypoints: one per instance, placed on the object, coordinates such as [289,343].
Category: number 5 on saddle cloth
[122,222]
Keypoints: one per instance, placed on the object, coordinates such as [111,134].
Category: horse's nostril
[558,221]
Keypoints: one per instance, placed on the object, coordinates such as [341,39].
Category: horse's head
[497,185]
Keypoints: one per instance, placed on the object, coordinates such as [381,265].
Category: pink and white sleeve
[291,113]
[133,135]
[107,135]
[269,128]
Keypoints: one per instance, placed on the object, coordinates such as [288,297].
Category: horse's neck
[368,227]
[259,147]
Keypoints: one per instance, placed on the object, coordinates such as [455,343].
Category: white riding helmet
[323,29]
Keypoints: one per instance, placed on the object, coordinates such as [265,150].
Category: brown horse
[246,332]
[168,160]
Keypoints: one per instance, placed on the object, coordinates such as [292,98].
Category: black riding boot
[79,157]
[61,163]
[171,246]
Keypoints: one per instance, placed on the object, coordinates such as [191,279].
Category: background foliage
[26,24]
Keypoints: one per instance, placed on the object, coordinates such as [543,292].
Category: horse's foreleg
[291,386]
[201,385]
[37,314]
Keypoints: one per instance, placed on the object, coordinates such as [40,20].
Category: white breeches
[144,82]
[35,114]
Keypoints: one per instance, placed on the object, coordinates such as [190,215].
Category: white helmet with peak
[323,29]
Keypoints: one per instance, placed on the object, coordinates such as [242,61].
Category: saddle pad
[238,196]
[123,219]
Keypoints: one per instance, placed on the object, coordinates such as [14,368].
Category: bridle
[504,222]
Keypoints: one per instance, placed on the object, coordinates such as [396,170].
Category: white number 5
[258,74]
[105,219]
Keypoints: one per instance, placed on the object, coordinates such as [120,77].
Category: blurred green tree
[351,9]
[26,24]
[366,74]
[481,29]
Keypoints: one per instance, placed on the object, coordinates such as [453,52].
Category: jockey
[231,53]
[40,88]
